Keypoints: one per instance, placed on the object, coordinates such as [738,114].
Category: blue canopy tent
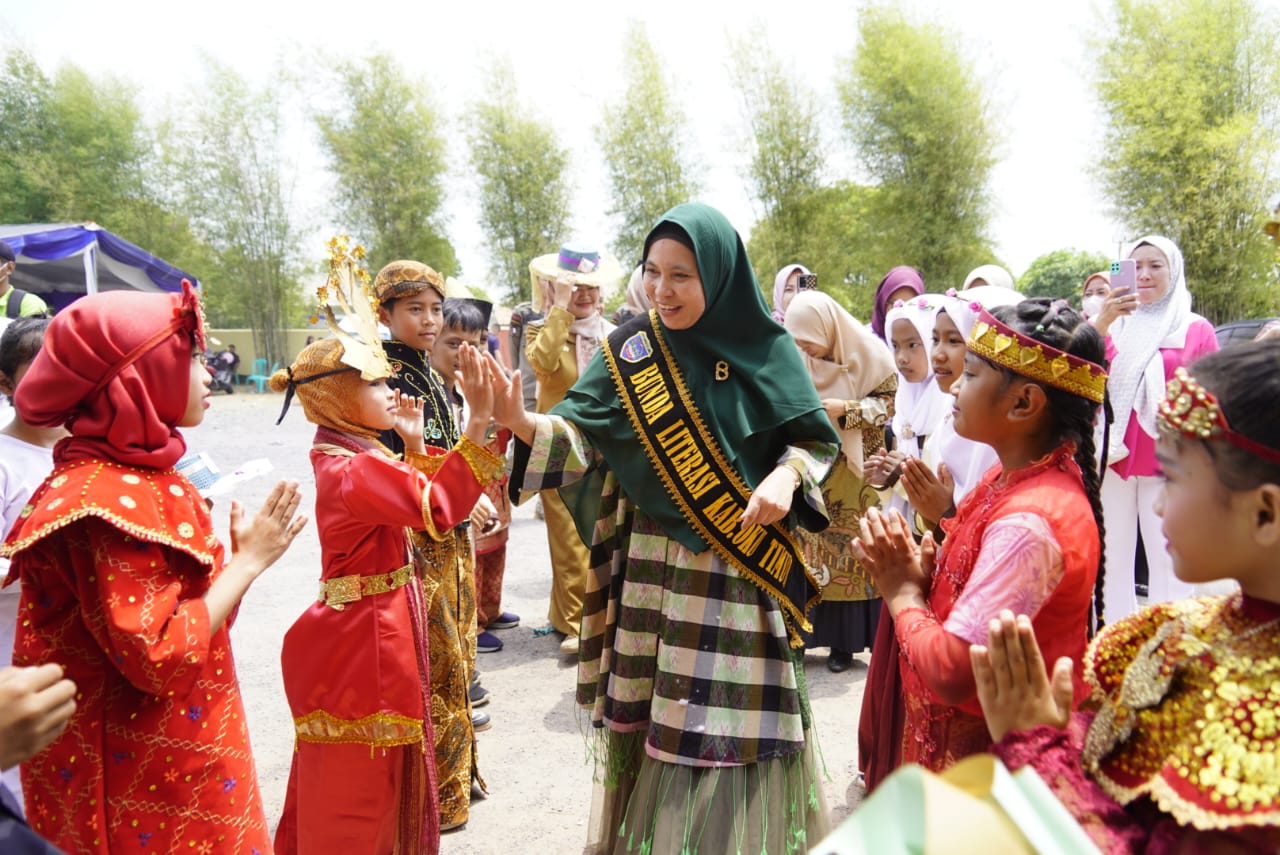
[63,261]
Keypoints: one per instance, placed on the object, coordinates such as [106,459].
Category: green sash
[709,493]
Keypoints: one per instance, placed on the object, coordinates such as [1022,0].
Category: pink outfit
[1200,340]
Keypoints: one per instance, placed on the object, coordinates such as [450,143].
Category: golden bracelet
[486,466]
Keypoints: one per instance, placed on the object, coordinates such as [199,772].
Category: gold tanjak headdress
[1192,410]
[1021,354]
[348,288]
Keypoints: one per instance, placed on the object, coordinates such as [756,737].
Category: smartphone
[806,281]
[1124,275]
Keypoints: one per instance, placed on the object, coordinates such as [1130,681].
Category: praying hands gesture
[901,570]
[1013,688]
[931,495]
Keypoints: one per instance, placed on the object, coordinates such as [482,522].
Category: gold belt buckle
[339,591]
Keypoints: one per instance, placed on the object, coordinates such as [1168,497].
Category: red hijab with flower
[115,370]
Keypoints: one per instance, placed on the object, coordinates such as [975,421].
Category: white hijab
[918,407]
[991,274]
[1136,381]
[966,460]
[963,306]
[780,284]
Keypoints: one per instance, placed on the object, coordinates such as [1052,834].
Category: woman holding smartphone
[1150,332]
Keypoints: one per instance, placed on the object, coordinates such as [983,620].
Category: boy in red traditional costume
[124,586]
[1027,537]
[356,663]
[1176,749]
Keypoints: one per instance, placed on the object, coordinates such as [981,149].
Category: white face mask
[1092,305]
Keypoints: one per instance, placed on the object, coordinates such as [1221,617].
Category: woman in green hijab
[688,449]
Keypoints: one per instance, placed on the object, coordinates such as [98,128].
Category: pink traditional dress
[1025,541]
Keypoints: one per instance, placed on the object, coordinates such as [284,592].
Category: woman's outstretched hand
[255,545]
[1013,688]
[507,399]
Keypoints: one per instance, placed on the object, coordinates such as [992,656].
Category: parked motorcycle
[222,366]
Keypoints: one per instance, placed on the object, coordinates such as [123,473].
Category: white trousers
[1128,506]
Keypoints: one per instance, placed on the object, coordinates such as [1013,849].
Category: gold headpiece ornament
[347,287]
[1192,410]
[1021,354]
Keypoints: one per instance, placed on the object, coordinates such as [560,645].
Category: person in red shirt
[1026,538]
[124,585]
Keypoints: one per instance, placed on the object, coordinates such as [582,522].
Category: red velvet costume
[114,553]
[356,672]
[943,720]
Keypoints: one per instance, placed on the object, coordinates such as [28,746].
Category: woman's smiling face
[674,286]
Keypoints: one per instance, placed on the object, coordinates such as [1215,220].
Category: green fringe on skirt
[648,807]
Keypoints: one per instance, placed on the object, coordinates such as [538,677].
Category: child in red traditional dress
[356,662]
[1027,537]
[1177,749]
[124,586]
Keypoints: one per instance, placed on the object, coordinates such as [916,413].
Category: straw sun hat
[580,264]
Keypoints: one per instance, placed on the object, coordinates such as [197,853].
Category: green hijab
[767,402]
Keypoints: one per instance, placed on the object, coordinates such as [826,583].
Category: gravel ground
[534,759]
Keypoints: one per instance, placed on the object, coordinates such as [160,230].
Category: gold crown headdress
[1021,354]
[1192,410]
[348,288]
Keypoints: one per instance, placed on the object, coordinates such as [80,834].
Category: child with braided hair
[1028,534]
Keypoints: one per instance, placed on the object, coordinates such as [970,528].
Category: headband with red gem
[1192,410]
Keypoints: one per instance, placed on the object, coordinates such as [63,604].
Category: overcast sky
[566,55]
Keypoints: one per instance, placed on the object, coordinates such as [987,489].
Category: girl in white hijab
[855,379]
[1150,331]
[951,465]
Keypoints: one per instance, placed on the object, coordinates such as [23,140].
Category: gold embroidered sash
[710,494]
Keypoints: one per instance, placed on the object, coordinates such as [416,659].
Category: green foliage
[918,118]
[226,157]
[27,166]
[74,149]
[839,244]
[1190,89]
[386,147]
[785,144]
[1061,273]
[523,183]
[643,139]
